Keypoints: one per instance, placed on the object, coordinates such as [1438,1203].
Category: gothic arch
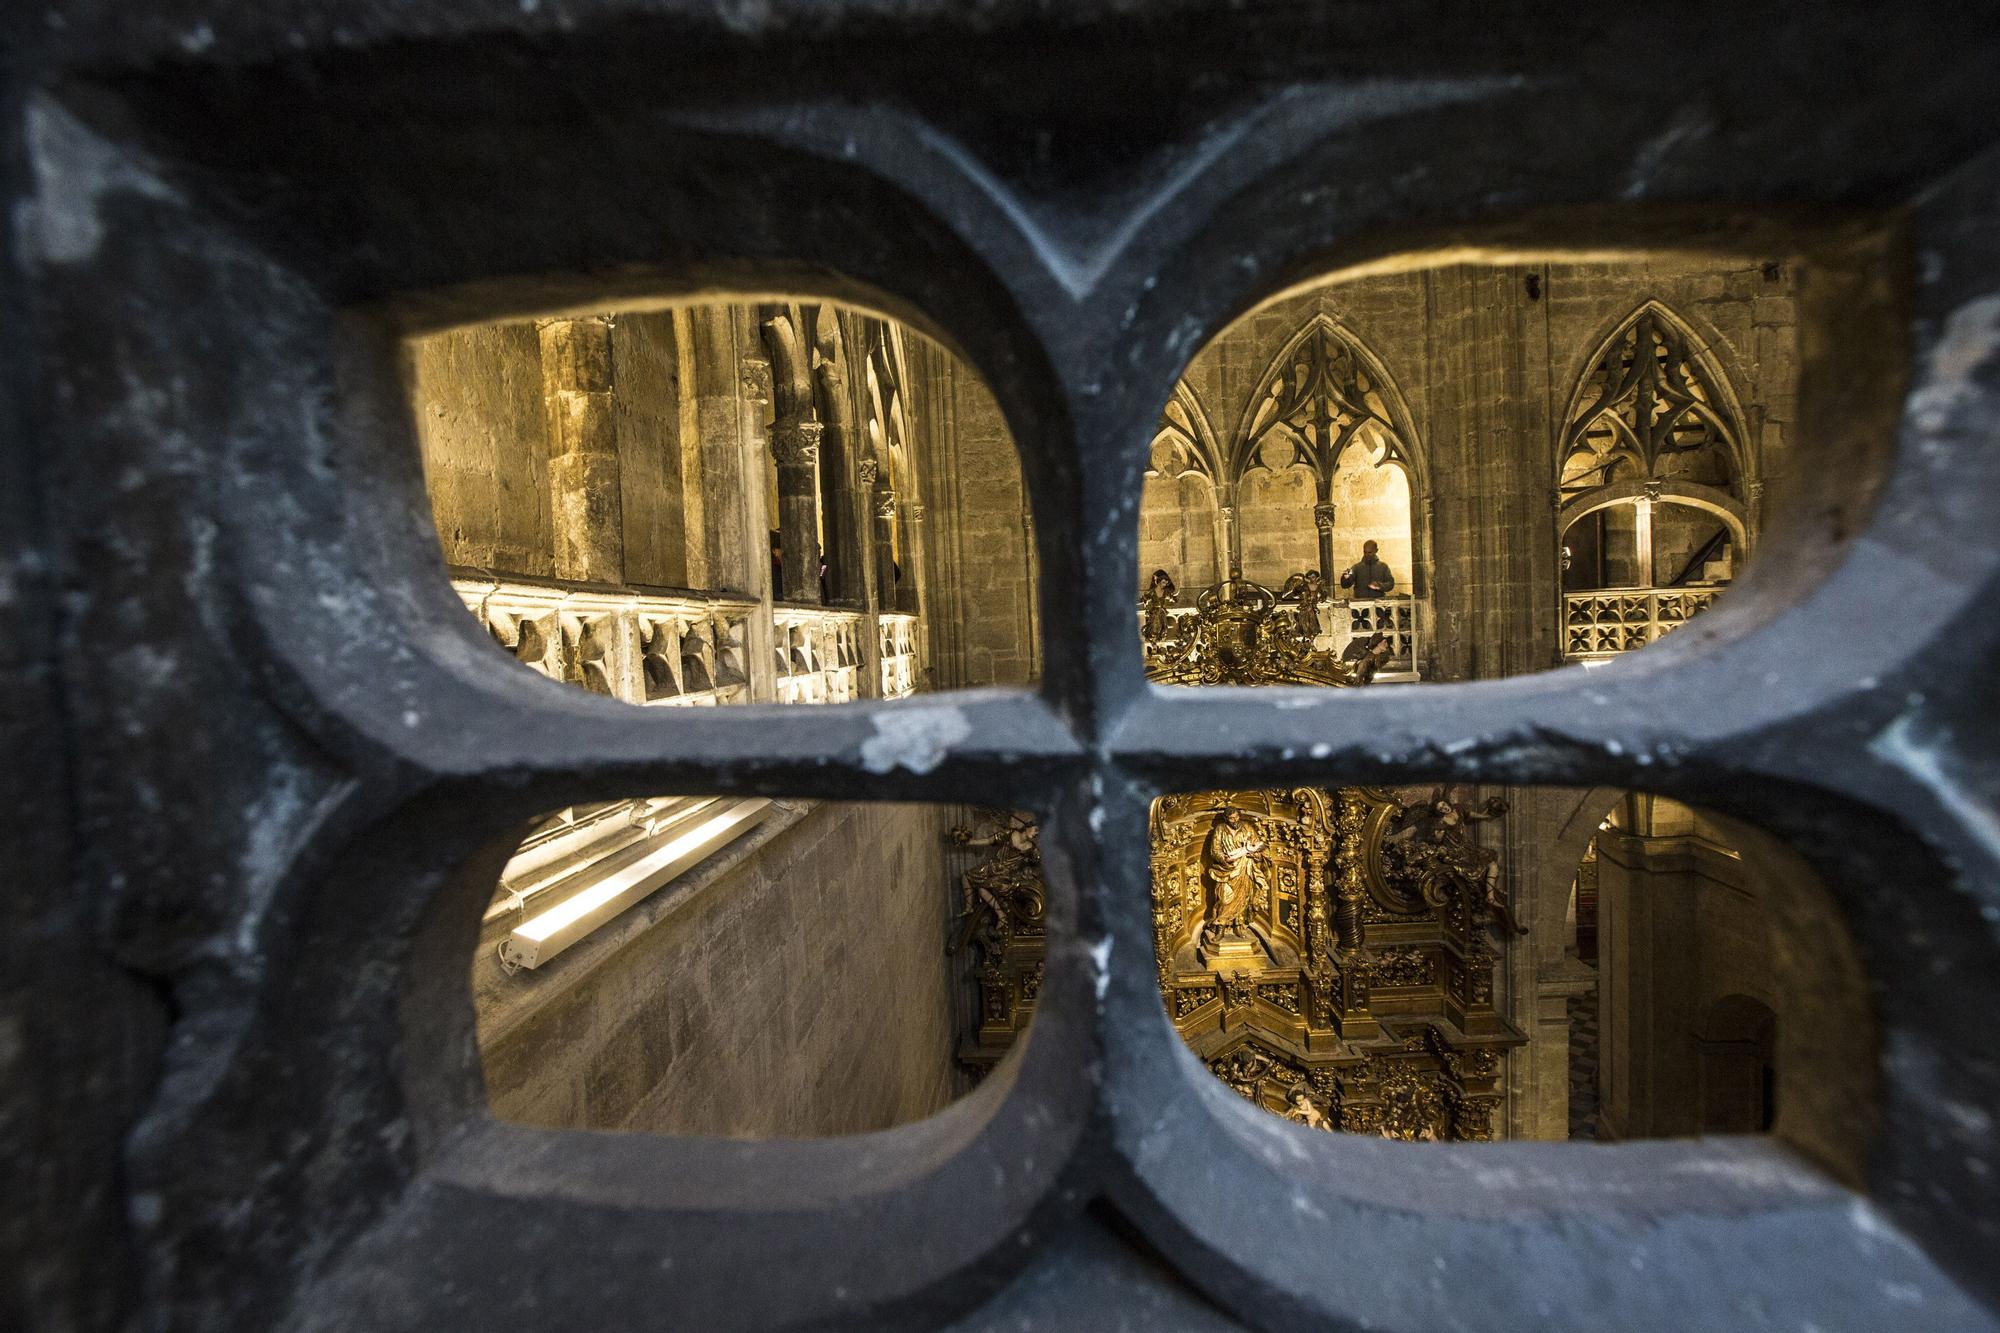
[839,445]
[1326,389]
[1185,430]
[1185,455]
[1692,494]
[1653,423]
[1337,367]
[1681,389]
[893,497]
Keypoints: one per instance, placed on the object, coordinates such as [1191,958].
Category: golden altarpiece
[1329,954]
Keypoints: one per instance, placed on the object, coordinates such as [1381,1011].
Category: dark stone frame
[219,254]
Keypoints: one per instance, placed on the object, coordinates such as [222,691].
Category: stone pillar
[795,445]
[585,506]
[913,535]
[1323,514]
[1229,539]
[868,474]
[1642,535]
[888,579]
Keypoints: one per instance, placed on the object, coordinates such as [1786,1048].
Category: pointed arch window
[1325,405]
[1652,477]
[1651,406]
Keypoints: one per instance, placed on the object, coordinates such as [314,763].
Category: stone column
[1642,534]
[586,508]
[867,474]
[887,567]
[913,537]
[1323,514]
[1229,540]
[795,445]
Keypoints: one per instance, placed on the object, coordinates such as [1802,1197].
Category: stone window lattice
[367,1186]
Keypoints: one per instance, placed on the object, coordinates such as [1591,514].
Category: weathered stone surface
[802,991]
[289,786]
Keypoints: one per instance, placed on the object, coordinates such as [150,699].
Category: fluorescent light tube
[547,934]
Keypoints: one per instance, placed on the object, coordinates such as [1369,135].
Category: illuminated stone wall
[802,989]
[977,530]
[1177,531]
[477,393]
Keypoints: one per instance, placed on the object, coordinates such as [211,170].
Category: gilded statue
[1161,594]
[1234,876]
[1305,590]
[1434,842]
[1003,894]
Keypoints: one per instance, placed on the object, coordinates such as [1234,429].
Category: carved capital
[1755,491]
[867,470]
[914,512]
[1652,490]
[1323,516]
[796,443]
[885,505]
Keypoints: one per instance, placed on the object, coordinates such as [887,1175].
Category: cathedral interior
[906,664]
[1376,481]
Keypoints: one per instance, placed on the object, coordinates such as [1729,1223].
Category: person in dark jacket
[1368,577]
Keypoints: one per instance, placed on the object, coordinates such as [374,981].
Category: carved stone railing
[687,649]
[1364,618]
[818,654]
[898,636]
[643,646]
[1600,625]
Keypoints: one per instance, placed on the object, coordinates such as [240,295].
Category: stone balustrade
[641,646]
[898,631]
[818,654]
[687,649]
[1363,618]
[1601,624]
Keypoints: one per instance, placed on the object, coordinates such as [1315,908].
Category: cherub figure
[1304,589]
[1304,1107]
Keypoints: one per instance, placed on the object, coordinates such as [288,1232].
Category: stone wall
[1692,912]
[1177,524]
[980,530]
[652,502]
[800,989]
[477,396]
[1275,515]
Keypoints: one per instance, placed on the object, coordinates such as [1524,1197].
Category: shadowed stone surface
[268,782]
